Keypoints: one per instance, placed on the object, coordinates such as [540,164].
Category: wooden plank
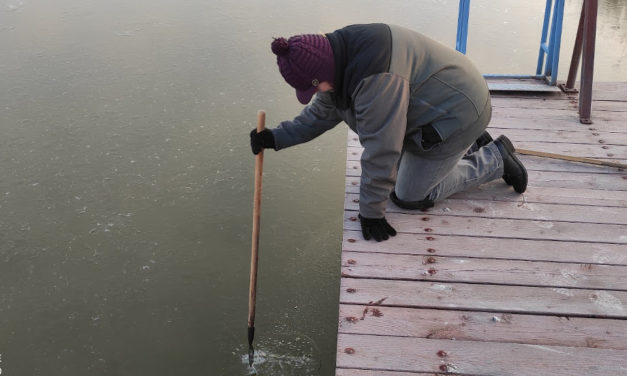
[484,326]
[500,120]
[555,179]
[607,152]
[569,137]
[500,228]
[479,270]
[574,181]
[517,86]
[475,358]
[503,209]
[535,96]
[474,246]
[540,81]
[497,191]
[532,163]
[601,182]
[601,91]
[531,103]
[611,91]
[369,372]
[544,103]
[491,298]
[550,114]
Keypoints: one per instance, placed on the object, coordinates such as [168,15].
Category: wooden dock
[489,282]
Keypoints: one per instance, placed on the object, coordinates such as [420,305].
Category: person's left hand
[377,228]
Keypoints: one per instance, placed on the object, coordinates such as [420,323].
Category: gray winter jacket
[390,82]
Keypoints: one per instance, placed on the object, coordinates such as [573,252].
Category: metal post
[552,47]
[569,87]
[549,46]
[556,38]
[462,26]
[587,65]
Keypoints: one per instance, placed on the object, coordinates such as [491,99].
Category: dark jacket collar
[359,51]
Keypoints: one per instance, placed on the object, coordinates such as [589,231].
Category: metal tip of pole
[251,350]
[251,356]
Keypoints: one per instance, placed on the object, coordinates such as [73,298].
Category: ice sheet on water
[14,5]
[271,363]
[297,355]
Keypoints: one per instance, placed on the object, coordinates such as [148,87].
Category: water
[126,178]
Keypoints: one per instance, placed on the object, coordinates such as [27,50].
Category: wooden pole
[252,295]
[570,158]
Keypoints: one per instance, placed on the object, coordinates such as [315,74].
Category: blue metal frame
[552,49]
[462,26]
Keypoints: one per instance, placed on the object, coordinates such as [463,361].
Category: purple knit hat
[304,61]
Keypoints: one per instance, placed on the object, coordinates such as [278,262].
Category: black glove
[377,228]
[261,140]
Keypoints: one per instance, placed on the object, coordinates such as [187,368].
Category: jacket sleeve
[315,119]
[381,102]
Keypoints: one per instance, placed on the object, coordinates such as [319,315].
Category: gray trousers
[451,166]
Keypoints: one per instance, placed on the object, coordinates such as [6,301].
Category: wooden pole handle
[252,296]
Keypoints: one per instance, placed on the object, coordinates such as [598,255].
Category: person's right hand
[261,140]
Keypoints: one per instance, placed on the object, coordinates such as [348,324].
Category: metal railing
[553,16]
[550,49]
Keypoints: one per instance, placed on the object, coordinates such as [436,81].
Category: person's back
[442,80]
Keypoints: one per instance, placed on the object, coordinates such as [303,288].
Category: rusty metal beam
[587,65]
[569,86]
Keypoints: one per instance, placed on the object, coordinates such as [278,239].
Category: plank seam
[531,107]
[477,215]
[502,237]
[526,201]
[475,341]
[480,258]
[503,218]
[481,283]
[401,372]
[472,340]
[456,309]
[617,172]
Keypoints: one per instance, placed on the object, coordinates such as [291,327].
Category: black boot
[484,139]
[514,173]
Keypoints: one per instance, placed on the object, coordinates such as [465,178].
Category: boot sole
[510,148]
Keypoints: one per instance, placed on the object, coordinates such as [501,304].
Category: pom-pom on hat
[304,61]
